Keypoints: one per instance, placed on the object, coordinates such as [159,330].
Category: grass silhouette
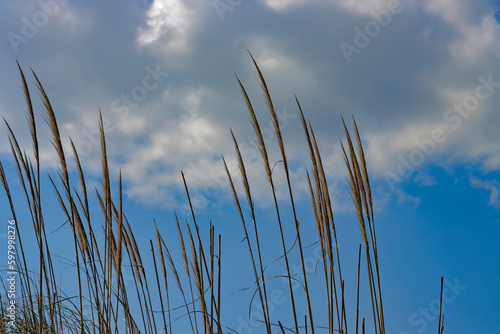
[100,259]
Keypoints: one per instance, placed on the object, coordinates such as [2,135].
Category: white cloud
[491,186]
[476,39]
[186,142]
[424,179]
[170,20]
[283,5]
[397,93]
[451,11]
[384,147]
[476,31]
[404,197]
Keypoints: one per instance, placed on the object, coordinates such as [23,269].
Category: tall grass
[101,257]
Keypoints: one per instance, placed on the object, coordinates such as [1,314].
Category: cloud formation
[421,64]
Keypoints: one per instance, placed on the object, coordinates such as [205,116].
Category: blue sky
[421,78]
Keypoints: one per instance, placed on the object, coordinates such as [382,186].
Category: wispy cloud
[404,197]
[489,185]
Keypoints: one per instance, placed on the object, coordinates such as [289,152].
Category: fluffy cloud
[399,87]
[172,22]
